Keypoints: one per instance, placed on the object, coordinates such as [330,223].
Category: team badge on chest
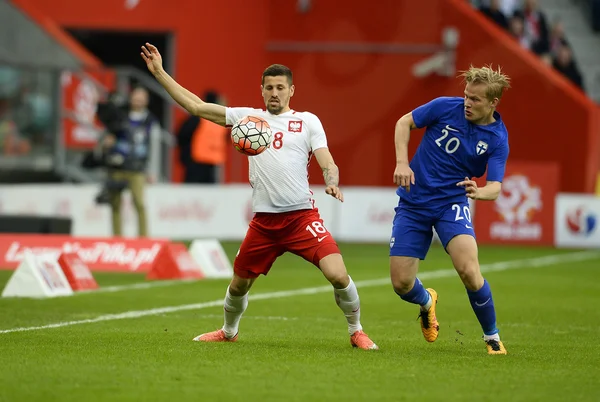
[481,147]
[295,126]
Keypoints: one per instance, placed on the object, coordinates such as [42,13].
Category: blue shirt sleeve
[497,162]
[430,112]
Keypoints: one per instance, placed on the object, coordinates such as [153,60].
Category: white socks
[233,308]
[348,301]
[495,337]
[427,305]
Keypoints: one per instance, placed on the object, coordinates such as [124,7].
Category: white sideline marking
[546,328]
[498,266]
[133,286]
[263,317]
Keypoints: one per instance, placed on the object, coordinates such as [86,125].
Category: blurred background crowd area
[545,30]
[27,110]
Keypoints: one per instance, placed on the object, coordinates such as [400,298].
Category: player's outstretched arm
[403,174]
[331,173]
[188,100]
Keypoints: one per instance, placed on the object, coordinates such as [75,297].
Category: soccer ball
[251,135]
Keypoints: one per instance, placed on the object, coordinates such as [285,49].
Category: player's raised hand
[403,175]
[152,57]
[470,187]
[335,192]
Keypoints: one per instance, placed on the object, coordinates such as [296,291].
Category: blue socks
[417,295]
[481,302]
[483,306]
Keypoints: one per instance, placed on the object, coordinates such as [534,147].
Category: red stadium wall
[359,96]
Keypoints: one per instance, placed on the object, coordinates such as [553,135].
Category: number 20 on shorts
[466,213]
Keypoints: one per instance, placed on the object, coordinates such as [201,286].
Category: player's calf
[482,303]
[427,300]
[416,295]
[347,299]
[234,305]
[463,251]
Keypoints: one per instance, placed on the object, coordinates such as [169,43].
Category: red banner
[81,93]
[524,211]
[99,254]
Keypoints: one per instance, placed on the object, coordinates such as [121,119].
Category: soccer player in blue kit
[463,136]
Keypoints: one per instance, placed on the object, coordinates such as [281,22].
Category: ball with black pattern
[251,135]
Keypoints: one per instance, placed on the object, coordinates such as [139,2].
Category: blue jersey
[452,149]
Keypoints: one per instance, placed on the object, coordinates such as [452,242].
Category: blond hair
[495,80]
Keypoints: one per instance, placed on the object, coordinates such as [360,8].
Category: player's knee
[338,279]
[337,276]
[402,281]
[402,285]
[470,275]
[240,286]
[403,272]
[334,270]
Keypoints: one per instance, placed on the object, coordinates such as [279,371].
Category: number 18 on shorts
[270,235]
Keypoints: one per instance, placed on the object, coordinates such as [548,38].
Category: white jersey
[279,175]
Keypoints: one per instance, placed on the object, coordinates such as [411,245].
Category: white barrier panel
[577,217]
[177,212]
[185,212]
[367,214]
[64,200]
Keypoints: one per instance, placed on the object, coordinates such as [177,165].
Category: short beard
[275,110]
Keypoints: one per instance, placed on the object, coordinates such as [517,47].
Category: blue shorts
[412,230]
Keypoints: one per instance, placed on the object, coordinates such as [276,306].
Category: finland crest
[481,147]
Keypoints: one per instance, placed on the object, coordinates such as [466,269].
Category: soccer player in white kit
[285,217]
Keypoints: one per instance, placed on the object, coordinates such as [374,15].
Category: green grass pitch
[295,346]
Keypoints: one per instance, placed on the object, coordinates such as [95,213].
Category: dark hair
[275,70]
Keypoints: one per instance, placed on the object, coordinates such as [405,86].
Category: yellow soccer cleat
[495,347]
[429,324]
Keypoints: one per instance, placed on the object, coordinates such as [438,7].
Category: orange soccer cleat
[429,324]
[362,341]
[215,336]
